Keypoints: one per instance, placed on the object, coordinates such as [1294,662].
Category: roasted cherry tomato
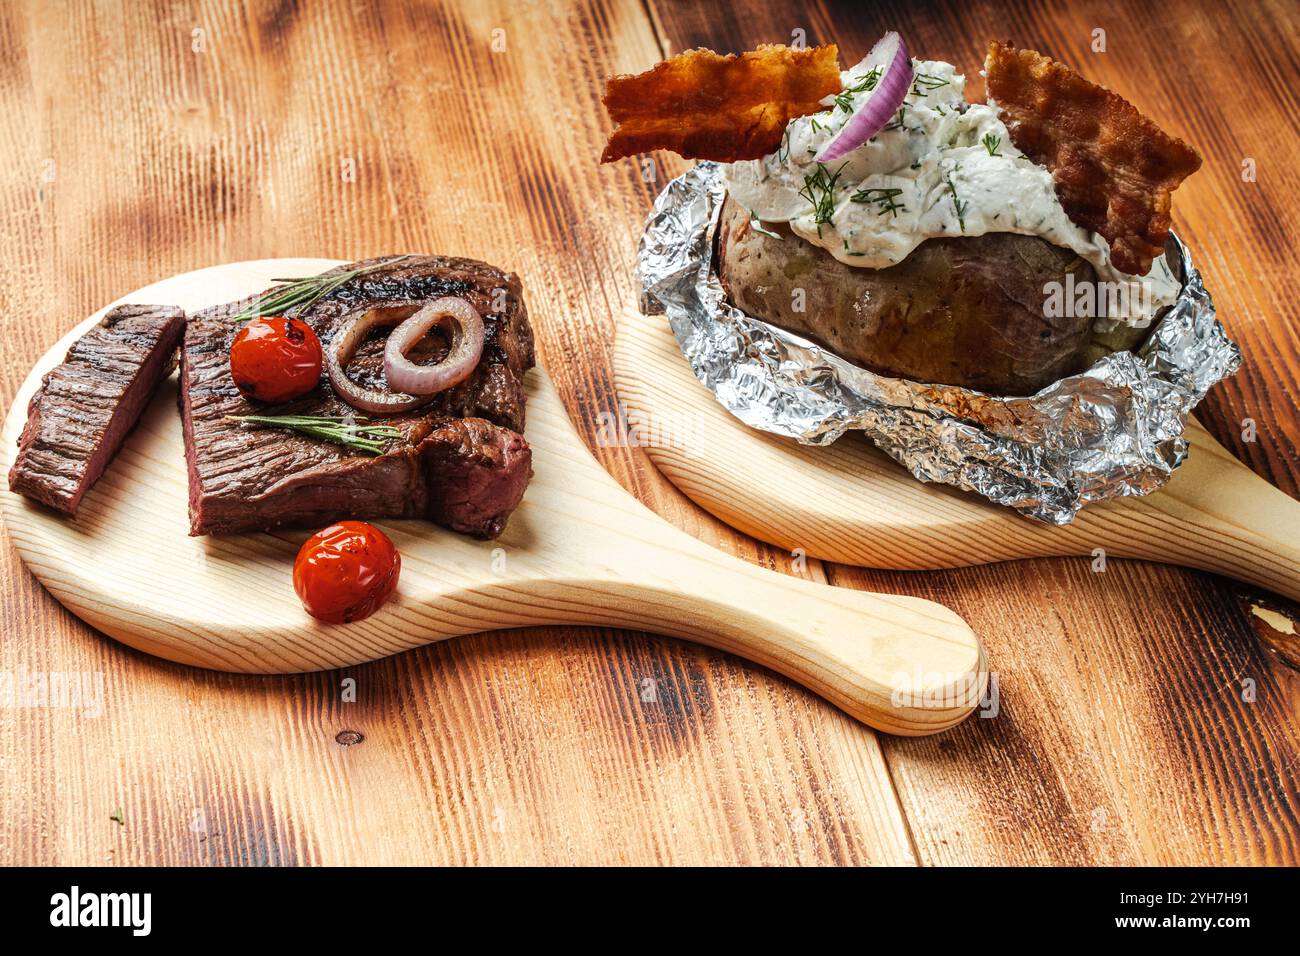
[274,359]
[346,572]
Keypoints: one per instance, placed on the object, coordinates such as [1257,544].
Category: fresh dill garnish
[928,82]
[958,205]
[757,225]
[898,121]
[886,200]
[118,817]
[991,143]
[816,126]
[868,83]
[304,291]
[819,190]
[785,146]
[352,432]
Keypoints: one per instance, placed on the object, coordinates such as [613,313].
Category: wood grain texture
[1160,757]
[543,746]
[587,745]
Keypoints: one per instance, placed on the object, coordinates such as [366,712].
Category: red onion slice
[462,359]
[340,351]
[890,54]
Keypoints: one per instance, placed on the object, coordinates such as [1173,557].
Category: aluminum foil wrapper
[1115,429]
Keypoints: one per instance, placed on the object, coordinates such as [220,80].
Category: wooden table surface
[1139,719]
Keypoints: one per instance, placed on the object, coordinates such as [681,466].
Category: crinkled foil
[1115,429]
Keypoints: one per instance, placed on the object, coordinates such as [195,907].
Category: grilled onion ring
[462,358]
[352,332]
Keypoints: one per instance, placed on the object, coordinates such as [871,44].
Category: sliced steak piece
[477,472]
[79,417]
[460,461]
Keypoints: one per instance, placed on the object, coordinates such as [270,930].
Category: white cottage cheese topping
[941,167]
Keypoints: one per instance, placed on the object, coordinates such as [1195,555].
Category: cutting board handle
[903,665]
[1217,515]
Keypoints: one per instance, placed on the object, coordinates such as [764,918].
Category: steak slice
[81,414]
[480,472]
[459,461]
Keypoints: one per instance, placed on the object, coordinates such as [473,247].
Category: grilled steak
[460,461]
[84,408]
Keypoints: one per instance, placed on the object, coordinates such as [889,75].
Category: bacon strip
[1115,171]
[726,108]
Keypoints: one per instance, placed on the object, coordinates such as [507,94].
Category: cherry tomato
[274,359]
[346,572]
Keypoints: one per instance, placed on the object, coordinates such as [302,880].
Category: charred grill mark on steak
[460,460]
[79,417]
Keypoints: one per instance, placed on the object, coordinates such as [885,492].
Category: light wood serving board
[579,550]
[852,504]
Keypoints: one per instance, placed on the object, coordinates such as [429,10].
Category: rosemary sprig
[819,190]
[844,100]
[304,291]
[350,432]
[958,205]
[991,143]
[886,200]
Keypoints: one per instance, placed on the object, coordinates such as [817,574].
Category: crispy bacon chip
[726,108]
[1115,171]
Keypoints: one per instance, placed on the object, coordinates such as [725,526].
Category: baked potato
[956,311]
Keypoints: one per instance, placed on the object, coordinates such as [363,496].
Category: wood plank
[1123,734]
[346,130]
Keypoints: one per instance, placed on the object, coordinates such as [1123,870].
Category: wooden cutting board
[850,503]
[579,550]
